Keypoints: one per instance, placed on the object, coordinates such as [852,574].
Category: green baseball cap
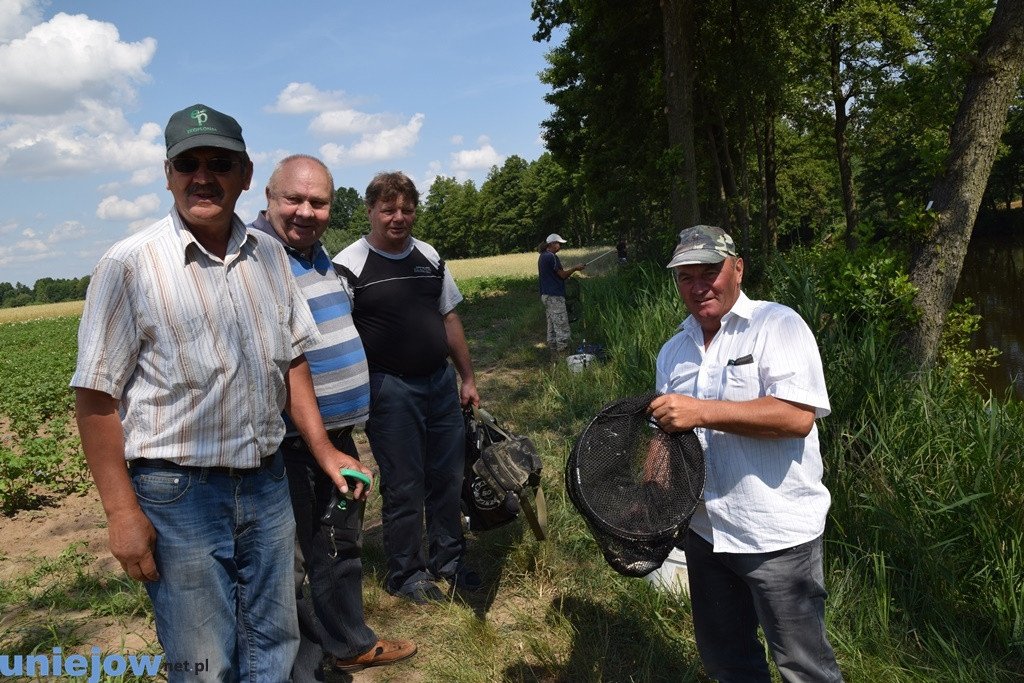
[202,126]
[702,244]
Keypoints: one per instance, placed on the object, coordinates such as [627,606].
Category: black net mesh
[635,484]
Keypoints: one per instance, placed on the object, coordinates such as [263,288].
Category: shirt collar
[394,257]
[239,238]
[263,225]
[743,308]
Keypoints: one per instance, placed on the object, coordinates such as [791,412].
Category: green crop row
[39,448]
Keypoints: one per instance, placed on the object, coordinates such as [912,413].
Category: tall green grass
[925,537]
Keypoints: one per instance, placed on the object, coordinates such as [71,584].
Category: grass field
[525,265]
[39,311]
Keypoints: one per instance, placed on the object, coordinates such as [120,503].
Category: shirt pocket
[741,382]
[190,354]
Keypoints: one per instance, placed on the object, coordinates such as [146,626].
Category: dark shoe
[384,652]
[465,579]
[420,592]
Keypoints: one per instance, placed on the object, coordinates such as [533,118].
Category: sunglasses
[218,165]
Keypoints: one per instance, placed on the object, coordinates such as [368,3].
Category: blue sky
[430,88]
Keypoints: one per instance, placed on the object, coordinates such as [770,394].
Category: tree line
[853,124]
[46,290]
[516,206]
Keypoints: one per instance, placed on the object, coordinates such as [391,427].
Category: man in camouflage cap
[746,376]
[702,244]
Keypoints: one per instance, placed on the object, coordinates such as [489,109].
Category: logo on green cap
[199,115]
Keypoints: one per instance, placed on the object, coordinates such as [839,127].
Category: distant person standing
[620,249]
[552,293]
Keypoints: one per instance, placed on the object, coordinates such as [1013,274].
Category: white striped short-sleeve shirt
[761,495]
[194,348]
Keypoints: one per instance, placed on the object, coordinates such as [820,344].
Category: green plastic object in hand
[352,478]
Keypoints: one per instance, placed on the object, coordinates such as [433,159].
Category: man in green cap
[191,345]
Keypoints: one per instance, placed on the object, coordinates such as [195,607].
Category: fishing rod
[610,251]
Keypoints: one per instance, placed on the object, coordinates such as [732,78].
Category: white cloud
[475,159]
[349,122]
[28,232]
[305,98]
[17,17]
[139,178]
[64,84]
[456,140]
[381,136]
[91,139]
[66,60]
[114,208]
[380,145]
[68,230]
[23,251]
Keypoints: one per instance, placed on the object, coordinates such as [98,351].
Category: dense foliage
[47,290]
[810,119]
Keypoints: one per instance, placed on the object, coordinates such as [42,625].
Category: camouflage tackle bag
[502,477]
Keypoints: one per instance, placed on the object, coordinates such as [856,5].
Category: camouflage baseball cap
[202,126]
[702,244]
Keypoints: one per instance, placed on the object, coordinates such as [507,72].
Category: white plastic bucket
[580,360]
[672,576]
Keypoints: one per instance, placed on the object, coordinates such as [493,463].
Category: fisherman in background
[552,293]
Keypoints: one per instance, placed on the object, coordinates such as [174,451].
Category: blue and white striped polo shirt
[338,363]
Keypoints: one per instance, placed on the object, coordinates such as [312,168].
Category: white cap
[554,237]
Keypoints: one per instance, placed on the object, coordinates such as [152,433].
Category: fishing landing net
[635,484]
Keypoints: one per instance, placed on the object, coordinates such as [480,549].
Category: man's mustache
[203,188]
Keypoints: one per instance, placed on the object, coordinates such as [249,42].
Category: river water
[993,277]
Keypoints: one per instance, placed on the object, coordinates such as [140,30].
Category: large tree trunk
[680,74]
[839,103]
[770,236]
[720,209]
[956,195]
[743,195]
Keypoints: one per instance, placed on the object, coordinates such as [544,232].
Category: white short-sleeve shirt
[761,494]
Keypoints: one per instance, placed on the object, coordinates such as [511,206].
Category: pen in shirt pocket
[742,360]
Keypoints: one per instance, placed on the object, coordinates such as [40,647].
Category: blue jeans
[417,433]
[225,542]
[331,614]
[782,591]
